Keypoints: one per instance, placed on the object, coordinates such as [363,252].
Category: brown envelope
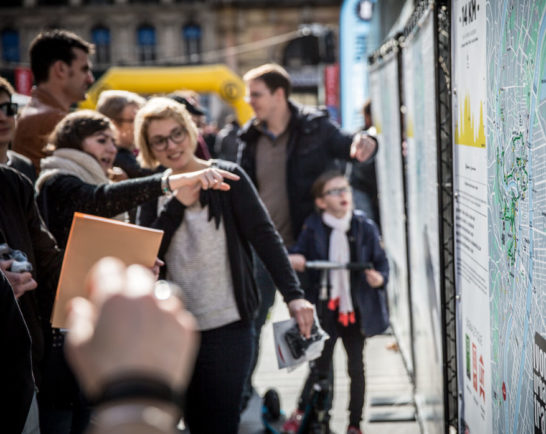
[92,238]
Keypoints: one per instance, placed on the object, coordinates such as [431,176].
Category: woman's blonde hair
[159,108]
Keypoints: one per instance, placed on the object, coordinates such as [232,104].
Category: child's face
[337,198]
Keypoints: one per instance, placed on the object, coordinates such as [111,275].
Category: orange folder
[92,238]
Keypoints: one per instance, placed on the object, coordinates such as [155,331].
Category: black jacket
[15,364]
[22,164]
[62,195]
[23,229]
[246,223]
[370,303]
[126,160]
[313,145]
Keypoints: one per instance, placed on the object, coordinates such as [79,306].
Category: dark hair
[322,180]
[6,87]
[53,45]
[367,107]
[273,75]
[74,128]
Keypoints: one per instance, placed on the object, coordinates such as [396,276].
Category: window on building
[191,34]
[52,2]
[100,36]
[146,43]
[11,3]
[10,45]
[98,2]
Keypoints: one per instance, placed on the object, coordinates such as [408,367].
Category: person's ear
[279,93]
[59,69]
[320,204]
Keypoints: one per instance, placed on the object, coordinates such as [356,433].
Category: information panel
[516,161]
[471,227]
[423,221]
[384,92]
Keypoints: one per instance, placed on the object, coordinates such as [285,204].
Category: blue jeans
[213,398]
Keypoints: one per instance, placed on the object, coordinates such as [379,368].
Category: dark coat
[313,145]
[15,364]
[22,228]
[370,303]
[246,223]
[62,195]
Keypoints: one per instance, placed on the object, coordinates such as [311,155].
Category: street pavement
[386,377]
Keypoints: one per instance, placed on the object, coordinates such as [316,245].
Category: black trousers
[321,368]
[213,398]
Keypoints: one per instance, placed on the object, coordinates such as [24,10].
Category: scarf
[77,163]
[339,251]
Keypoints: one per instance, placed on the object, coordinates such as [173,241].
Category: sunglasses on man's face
[9,108]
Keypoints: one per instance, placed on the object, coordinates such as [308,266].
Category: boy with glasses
[356,306]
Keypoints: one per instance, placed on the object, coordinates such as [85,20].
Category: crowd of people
[228,227]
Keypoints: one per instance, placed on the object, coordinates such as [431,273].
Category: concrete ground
[385,377]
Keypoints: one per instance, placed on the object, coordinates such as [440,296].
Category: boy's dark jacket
[370,303]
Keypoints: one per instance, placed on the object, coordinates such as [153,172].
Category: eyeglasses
[9,108]
[124,121]
[177,136]
[337,191]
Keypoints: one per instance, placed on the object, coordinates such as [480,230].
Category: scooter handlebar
[330,265]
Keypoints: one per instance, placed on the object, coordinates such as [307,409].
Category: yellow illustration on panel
[409,127]
[465,128]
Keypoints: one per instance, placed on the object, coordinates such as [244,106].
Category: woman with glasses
[8,110]
[75,179]
[207,251]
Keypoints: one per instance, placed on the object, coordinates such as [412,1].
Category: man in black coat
[284,148]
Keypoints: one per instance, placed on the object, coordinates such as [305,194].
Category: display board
[516,161]
[500,152]
[418,78]
[385,97]
[471,227]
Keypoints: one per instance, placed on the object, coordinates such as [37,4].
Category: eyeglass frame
[337,191]
[11,108]
[164,140]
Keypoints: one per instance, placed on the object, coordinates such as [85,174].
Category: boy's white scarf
[339,251]
[77,163]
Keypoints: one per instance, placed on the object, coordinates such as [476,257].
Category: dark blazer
[15,363]
[370,303]
[247,224]
[22,228]
[62,195]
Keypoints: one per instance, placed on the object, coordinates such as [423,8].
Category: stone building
[239,33]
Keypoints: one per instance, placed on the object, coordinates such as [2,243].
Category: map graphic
[516,152]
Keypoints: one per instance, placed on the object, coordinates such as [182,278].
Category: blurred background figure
[190,100]
[8,111]
[121,107]
[363,178]
[226,143]
[62,71]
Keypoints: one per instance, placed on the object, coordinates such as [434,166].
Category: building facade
[241,34]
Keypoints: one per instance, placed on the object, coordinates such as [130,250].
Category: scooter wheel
[272,403]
